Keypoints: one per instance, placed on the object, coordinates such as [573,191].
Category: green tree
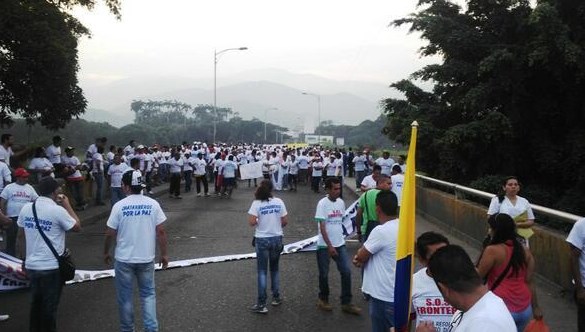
[507,95]
[38,61]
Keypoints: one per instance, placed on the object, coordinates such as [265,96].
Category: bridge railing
[555,219]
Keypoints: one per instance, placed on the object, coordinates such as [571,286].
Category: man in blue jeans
[136,223]
[331,244]
[378,256]
[55,214]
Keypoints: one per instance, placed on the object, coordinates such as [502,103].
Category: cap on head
[69,148]
[133,178]
[21,173]
[47,186]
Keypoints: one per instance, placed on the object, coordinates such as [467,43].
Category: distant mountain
[347,103]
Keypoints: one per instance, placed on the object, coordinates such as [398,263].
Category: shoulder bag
[66,264]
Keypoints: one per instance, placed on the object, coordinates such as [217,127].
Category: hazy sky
[338,39]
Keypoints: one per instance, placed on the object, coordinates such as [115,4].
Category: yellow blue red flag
[406,238]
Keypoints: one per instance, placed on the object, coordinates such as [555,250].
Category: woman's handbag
[66,264]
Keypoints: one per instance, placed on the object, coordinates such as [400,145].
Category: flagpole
[406,238]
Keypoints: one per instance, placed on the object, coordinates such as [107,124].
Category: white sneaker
[199,195]
[4,317]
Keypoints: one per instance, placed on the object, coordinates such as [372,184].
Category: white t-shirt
[507,207]
[17,196]
[303,162]
[397,184]
[135,219]
[269,214]
[115,172]
[369,182]
[380,269]
[175,165]
[72,162]
[386,165]
[428,302]
[489,314]
[5,154]
[41,164]
[577,238]
[317,169]
[199,166]
[5,176]
[55,221]
[293,167]
[359,163]
[331,213]
[53,154]
[229,169]
[98,163]
[187,162]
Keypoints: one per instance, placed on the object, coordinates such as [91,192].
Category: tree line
[507,96]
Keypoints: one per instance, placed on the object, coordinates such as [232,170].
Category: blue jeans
[144,273]
[45,289]
[342,261]
[117,194]
[522,318]
[381,314]
[268,251]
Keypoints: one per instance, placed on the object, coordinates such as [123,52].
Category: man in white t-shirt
[386,163]
[5,176]
[397,183]
[369,182]
[72,171]
[576,239]
[378,256]
[115,172]
[97,171]
[331,245]
[56,217]
[53,153]
[427,301]
[200,171]
[12,199]
[478,309]
[136,225]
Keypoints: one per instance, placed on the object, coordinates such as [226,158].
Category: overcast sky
[338,39]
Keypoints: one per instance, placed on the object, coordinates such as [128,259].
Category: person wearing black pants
[176,168]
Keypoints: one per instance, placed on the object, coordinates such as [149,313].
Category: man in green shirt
[366,218]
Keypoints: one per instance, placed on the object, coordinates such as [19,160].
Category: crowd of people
[450,292]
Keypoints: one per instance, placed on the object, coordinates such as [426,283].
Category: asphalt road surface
[210,297]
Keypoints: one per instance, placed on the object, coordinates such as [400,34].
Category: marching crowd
[449,293]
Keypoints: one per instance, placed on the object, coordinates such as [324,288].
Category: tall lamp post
[216,55]
[266,120]
[318,113]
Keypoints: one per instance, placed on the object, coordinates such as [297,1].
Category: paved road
[211,297]
[216,297]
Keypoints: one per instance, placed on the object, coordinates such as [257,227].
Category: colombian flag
[406,238]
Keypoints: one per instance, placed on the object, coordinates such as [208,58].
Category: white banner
[251,171]
[12,277]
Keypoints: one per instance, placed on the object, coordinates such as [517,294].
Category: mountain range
[273,95]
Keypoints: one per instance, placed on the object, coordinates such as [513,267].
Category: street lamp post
[266,120]
[318,113]
[215,60]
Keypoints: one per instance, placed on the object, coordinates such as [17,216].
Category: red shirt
[513,289]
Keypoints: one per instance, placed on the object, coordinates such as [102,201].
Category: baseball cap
[69,148]
[133,178]
[140,146]
[21,173]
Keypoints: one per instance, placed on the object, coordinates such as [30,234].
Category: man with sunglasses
[478,309]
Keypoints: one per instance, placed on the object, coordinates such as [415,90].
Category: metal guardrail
[459,190]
